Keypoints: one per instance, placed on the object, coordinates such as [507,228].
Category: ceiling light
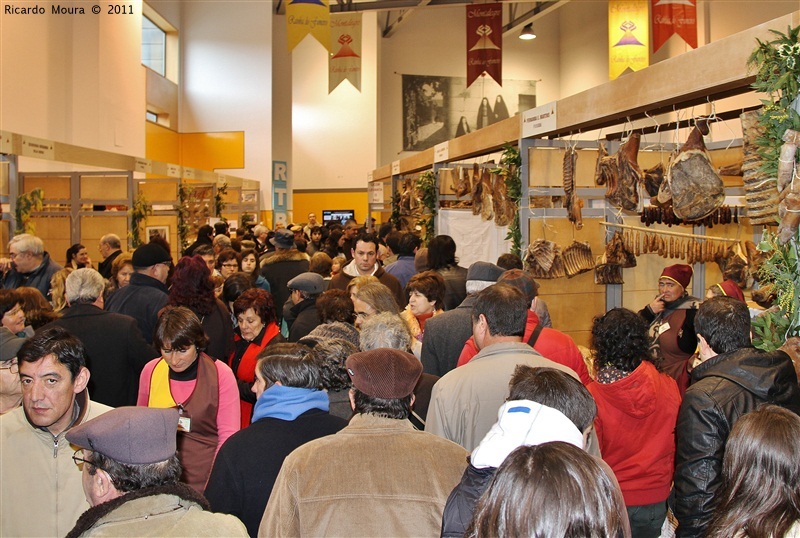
[527,33]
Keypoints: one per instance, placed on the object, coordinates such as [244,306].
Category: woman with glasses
[255,312]
[202,389]
[228,262]
[192,287]
[373,298]
[10,388]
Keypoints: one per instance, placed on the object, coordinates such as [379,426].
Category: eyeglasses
[362,315]
[11,365]
[80,461]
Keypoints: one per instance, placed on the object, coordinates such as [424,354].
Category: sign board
[539,120]
[5,142]
[173,170]
[280,187]
[376,193]
[188,173]
[37,147]
[395,168]
[441,152]
[143,165]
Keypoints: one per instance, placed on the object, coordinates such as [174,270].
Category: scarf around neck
[288,403]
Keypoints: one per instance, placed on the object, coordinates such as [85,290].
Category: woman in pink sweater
[203,390]
[637,409]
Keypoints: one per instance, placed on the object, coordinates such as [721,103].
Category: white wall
[334,136]
[57,83]
[226,77]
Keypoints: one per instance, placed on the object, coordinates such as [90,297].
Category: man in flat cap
[130,478]
[304,290]
[41,489]
[446,333]
[147,292]
[376,477]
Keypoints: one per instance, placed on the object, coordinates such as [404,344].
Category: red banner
[674,17]
[485,42]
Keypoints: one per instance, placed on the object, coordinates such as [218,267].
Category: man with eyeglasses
[10,390]
[130,472]
[28,264]
[147,292]
[42,493]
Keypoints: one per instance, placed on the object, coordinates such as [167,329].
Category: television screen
[337,215]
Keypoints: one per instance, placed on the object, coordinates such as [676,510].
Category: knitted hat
[283,238]
[150,254]
[680,273]
[312,283]
[132,435]
[484,271]
[384,373]
[731,289]
[522,281]
[337,329]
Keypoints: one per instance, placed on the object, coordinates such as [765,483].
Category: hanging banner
[628,36]
[345,62]
[485,42]
[305,17]
[674,17]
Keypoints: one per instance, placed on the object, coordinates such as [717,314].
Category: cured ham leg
[572,202]
[697,189]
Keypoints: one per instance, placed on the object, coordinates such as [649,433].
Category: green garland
[394,218]
[26,204]
[426,185]
[774,327]
[139,212]
[510,163]
[777,68]
[184,195]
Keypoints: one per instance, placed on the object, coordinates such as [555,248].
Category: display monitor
[337,215]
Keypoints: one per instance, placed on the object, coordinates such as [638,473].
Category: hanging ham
[621,174]
[572,202]
[697,190]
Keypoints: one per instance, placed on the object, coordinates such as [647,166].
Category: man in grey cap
[388,478]
[465,401]
[130,477]
[304,289]
[282,265]
[446,333]
[147,292]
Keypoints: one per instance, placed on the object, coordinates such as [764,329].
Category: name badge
[663,328]
[184,424]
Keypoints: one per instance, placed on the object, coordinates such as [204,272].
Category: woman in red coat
[255,312]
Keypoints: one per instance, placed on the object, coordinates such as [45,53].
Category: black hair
[235,285]
[367,238]
[178,328]
[509,261]
[555,389]
[408,243]
[68,349]
[620,339]
[130,477]
[505,309]
[441,252]
[397,408]
[294,365]
[724,323]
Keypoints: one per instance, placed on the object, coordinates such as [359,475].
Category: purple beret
[132,435]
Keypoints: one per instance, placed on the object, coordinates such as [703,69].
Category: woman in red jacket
[637,409]
[255,312]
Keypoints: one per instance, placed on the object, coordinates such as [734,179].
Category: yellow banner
[305,17]
[344,62]
[628,36]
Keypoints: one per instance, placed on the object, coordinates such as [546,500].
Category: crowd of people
[326,380]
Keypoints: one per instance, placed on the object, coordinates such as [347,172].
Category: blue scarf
[288,403]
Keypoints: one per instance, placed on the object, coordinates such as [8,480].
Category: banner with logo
[485,42]
[344,63]
[674,17]
[305,17]
[628,36]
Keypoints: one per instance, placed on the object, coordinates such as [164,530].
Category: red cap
[731,289]
[680,273]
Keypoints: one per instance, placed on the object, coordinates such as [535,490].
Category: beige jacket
[42,493]
[376,477]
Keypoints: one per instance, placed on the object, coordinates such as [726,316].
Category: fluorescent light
[527,32]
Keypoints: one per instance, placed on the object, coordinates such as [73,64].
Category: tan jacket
[376,477]
[42,493]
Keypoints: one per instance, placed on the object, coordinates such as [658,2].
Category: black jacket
[248,463]
[39,278]
[104,267]
[115,352]
[279,268]
[141,299]
[723,389]
[306,319]
[445,336]
[461,503]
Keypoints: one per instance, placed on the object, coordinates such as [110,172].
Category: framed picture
[152,231]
